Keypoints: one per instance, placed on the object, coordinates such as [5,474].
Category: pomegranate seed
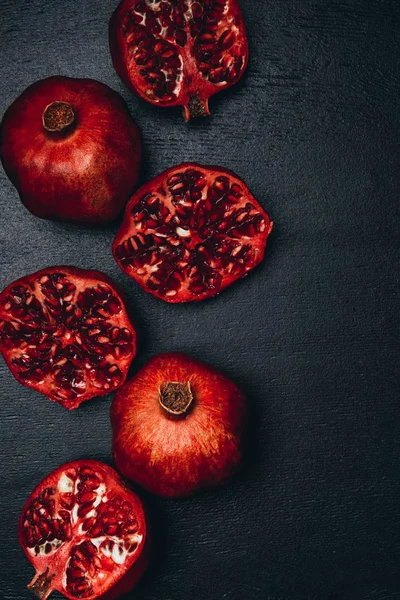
[81,590]
[76,573]
[181,37]
[206,38]
[110,529]
[86,471]
[126,507]
[130,528]
[88,523]
[50,491]
[216,75]
[197,10]
[86,498]
[84,509]
[88,549]
[96,530]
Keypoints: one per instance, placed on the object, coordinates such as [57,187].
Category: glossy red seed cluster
[66,334]
[179,52]
[82,531]
[191,232]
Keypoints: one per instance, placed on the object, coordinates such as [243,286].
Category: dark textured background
[311,335]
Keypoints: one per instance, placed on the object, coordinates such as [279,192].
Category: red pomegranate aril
[191,232]
[91,483]
[69,557]
[86,146]
[88,523]
[181,37]
[79,342]
[226,40]
[187,421]
[95,530]
[195,34]
[197,10]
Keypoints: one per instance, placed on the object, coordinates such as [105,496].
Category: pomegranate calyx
[58,116]
[175,399]
[41,585]
[196,108]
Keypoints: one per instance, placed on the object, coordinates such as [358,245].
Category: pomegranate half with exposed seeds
[71,149]
[191,232]
[177,426]
[179,52]
[65,332]
[84,532]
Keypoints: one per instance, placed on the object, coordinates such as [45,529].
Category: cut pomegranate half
[84,532]
[191,232]
[179,52]
[65,332]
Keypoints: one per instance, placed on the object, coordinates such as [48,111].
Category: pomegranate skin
[178,456]
[80,166]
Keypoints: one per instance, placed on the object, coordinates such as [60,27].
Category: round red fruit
[179,53]
[84,532]
[65,332]
[191,232]
[71,149]
[177,426]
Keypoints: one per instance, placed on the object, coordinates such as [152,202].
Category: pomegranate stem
[41,585]
[58,116]
[176,399]
[196,108]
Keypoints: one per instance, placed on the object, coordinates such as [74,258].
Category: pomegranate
[179,52]
[65,332]
[71,149]
[191,232]
[177,426]
[84,532]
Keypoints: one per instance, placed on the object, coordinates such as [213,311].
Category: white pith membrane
[173,44]
[64,336]
[197,232]
[96,536]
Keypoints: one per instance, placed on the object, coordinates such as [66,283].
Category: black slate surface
[311,335]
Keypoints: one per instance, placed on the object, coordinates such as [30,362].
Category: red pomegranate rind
[65,332]
[191,232]
[84,532]
[178,457]
[179,53]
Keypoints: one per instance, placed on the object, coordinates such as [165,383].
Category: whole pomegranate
[179,53]
[84,532]
[71,149]
[65,332]
[177,426]
[191,232]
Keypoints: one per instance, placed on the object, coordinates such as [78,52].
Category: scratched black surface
[312,335]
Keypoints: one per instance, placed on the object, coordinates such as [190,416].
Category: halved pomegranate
[65,332]
[179,52]
[177,426]
[191,232]
[84,532]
